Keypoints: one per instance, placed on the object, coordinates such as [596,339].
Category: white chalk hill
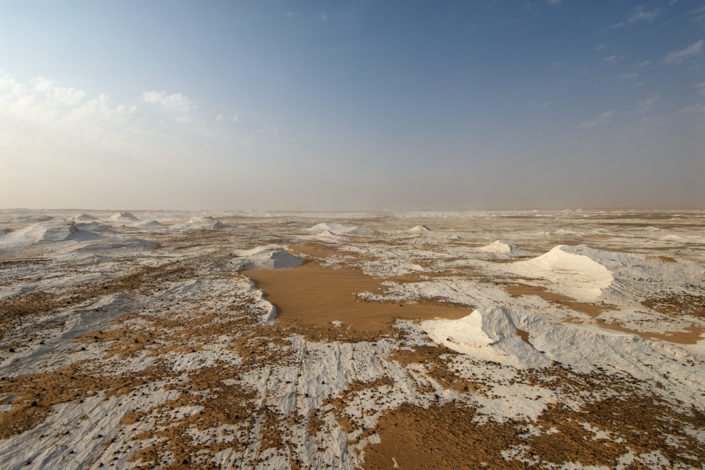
[588,275]
[123,218]
[45,232]
[266,257]
[337,229]
[499,247]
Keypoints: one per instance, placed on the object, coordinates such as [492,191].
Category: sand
[316,296]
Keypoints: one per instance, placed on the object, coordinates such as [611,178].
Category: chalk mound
[212,223]
[199,223]
[44,232]
[92,226]
[203,223]
[337,229]
[202,220]
[493,334]
[587,274]
[461,335]
[487,333]
[574,270]
[84,218]
[266,257]
[500,247]
[149,225]
[328,237]
[420,229]
[123,217]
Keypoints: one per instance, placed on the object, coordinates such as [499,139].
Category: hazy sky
[352,104]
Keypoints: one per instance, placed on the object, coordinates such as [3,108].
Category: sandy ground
[314,296]
[492,340]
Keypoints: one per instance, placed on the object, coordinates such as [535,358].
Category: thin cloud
[175,102]
[613,59]
[229,118]
[64,114]
[644,106]
[628,76]
[69,96]
[644,63]
[701,88]
[268,128]
[42,112]
[697,15]
[541,104]
[638,15]
[693,109]
[677,57]
[597,120]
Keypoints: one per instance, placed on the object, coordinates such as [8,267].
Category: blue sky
[352,104]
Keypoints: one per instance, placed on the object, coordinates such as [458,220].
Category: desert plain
[476,339]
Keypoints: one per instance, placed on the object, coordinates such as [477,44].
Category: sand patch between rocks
[520,290]
[315,296]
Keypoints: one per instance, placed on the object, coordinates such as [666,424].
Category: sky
[352,105]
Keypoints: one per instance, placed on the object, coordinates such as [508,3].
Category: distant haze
[352,104]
